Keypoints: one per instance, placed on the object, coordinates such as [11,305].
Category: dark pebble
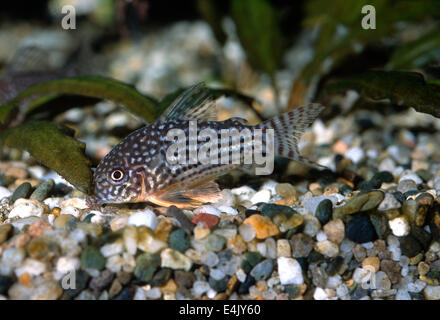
[246,266]
[218,285]
[360,230]
[262,270]
[358,293]
[43,190]
[270,210]
[179,240]
[250,212]
[366,186]
[426,175]
[61,189]
[315,257]
[353,264]
[345,189]
[409,246]
[301,245]
[380,224]
[324,211]
[5,283]
[126,294]
[81,280]
[434,274]
[422,236]
[292,290]
[253,258]
[303,262]
[244,287]
[22,191]
[175,212]
[104,279]
[124,277]
[88,218]
[416,295]
[146,265]
[91,258]
[334,266]
[184,278]
[410,193]
[380,177]
[71,224]
[399,196]
[294,231]
[161,277]
[434,223]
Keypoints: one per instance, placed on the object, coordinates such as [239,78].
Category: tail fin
[289,128]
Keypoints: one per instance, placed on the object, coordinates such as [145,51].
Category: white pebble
[409,175]
[402,295]
[261,196]
[208,210]
[228,210]
[290,271]
[355,154]
[67,264]
[143,218]
[262,249]
[399,226]
[321,236]
[79,235]
[216,274]
[368,245]
[210,259]
[4,192]
[361,275]
[79,203]
[271,248]
[153,293]
[320,294]
[112,249]
[24,208]
[241,275]
[247,232]
[71,210]
[31,266]
[53,202]
[243,193]
[327,248]
[200,287]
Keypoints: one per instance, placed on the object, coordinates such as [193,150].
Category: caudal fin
[288,129]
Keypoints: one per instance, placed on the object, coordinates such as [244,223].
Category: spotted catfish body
[138,169]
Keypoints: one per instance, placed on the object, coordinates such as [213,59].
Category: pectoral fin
[187,197]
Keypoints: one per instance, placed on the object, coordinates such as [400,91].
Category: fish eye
[117,175]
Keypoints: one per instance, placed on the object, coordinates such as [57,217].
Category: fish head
[116,180]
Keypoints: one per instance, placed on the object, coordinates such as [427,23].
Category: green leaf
[417,53]
[211,12]
[402,88]
[341,34]
[259,33]
[90,86]
[54,146]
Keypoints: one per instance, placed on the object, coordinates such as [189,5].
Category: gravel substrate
[367,228]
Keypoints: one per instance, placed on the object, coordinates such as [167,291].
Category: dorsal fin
[196,103]
[241,120]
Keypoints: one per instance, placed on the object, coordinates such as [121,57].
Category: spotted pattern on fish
[137,168]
